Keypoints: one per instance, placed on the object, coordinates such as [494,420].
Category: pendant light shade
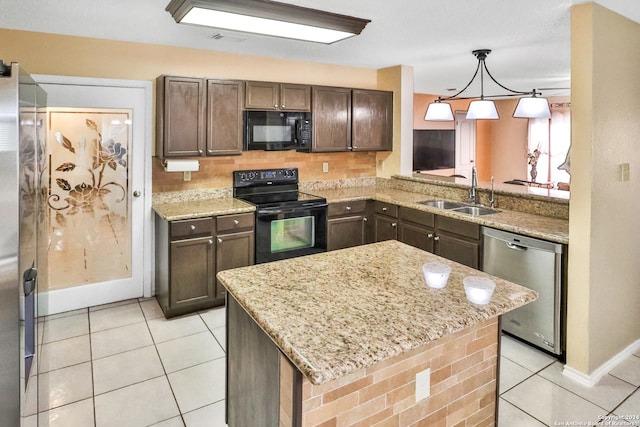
[482,110]
[267,18]
[439,112]
[532,108]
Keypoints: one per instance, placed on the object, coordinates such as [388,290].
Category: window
[552,138]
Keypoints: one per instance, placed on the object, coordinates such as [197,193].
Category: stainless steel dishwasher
[535,264]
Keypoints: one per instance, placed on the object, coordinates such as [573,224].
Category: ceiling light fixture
[529,106]
[267,18]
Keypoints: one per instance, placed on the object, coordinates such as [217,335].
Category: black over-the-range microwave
[277,130]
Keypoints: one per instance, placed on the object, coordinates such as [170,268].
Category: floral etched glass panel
[89,196]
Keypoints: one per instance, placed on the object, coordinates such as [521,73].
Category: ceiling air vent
[227,38]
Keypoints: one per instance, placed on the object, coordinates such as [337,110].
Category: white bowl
[478,289]
[436,274]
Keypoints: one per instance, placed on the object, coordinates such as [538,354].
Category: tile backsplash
[216,172]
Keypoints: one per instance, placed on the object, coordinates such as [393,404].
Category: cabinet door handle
[211,241]
[384,209]
[199,151]
[365,219]
[275,105]
[284,106]
[236,222]
[348,208]
[210,151]
[394,224]
[430,236]
[436,238]
[219,240]
[193,227]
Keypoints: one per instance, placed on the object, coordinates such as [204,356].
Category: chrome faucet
[473,190]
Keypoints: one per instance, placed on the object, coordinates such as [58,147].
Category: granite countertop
[177,205]
[340,311]
[202,203]
[538,226]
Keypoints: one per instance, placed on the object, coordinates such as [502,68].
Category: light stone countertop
[336,312]
[537,226]
[198,208]
[196,204]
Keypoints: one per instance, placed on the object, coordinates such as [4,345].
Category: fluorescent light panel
[270,27]
[267,18]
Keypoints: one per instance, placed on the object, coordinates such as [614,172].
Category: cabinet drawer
[386,209]
[191,227]
[417,216]
[229,223]
[346,208]
[461,228]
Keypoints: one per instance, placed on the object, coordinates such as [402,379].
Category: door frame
[57,301]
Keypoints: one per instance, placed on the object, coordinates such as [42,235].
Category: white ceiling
[530,39]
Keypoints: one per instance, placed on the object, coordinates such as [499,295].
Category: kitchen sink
[475,210]
[442,204]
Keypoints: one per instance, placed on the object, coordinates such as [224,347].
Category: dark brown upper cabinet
[224,117]
[331,119]
[372,126]
[198,117]
[277,96]
[180,116]
[351,119]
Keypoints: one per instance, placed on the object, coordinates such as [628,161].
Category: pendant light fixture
[267,18]
[529,106]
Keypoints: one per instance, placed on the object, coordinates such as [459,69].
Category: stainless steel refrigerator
[23,239]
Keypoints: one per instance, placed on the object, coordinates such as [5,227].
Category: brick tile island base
[337,339]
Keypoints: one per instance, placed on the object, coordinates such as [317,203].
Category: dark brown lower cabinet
[450,238]
[459,241]
[233,250]
[190,252]
[346,224]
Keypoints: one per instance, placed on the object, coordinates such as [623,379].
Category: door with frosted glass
[90,208]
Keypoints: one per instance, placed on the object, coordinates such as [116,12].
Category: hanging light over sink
[530,106]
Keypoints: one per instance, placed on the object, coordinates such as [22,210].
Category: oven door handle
[277,211]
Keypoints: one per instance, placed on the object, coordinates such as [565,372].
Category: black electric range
[289,223]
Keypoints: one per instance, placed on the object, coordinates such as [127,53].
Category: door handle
[137,193]
[516,247]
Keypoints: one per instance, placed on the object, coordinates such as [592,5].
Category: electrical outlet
[624,172]
[186,176]
[423,384]
[325,167]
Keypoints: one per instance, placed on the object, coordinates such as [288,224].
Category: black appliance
[289,223]
[276,130]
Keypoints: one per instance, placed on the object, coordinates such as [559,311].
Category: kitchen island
[355,337]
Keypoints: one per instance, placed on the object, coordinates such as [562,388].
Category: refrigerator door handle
[29,280]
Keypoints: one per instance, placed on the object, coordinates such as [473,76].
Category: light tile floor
[125,365]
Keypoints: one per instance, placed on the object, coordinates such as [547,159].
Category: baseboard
[589,380]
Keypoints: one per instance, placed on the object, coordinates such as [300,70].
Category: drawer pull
[436,238]
[219,240]
[348,208]
[211,241]
[193,227]
[394,224]
[430,236]
[236,222]
[365,219]
[384,209]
